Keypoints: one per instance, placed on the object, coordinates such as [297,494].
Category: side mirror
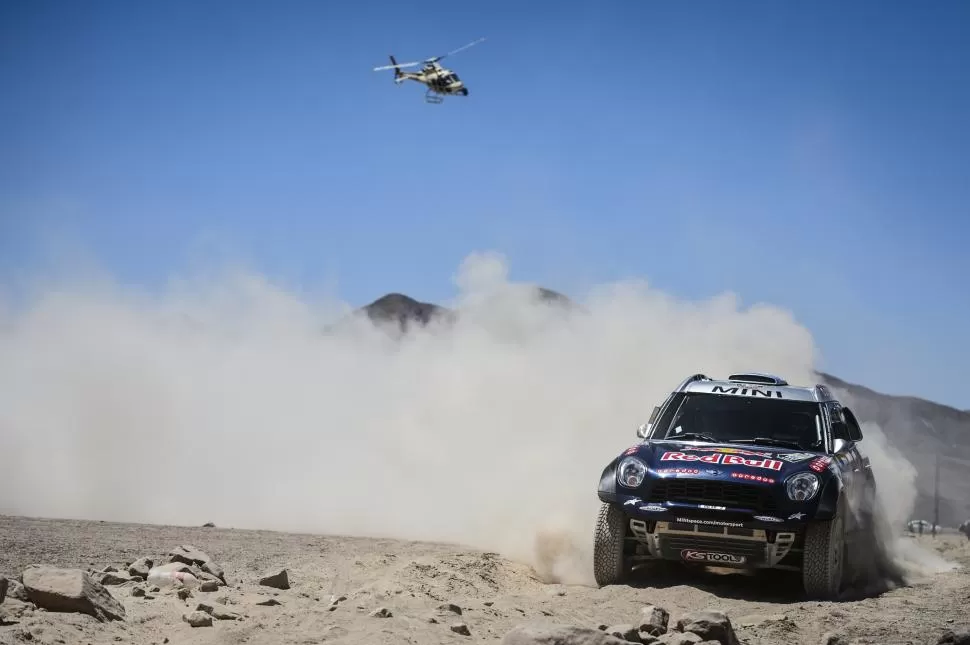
[644,428]
[854,429]
[839,445]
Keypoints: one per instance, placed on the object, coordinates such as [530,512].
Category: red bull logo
[730,451]
[727,460]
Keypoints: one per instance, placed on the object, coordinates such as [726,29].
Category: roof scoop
[757,377]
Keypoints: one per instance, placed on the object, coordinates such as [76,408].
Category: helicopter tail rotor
[397,69]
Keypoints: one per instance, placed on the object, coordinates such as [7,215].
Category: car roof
[756,384]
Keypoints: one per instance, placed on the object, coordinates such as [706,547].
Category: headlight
[630,472]
[802,487]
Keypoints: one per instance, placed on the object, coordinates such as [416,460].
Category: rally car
[748,472]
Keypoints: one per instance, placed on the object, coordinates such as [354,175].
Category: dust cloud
[225,400]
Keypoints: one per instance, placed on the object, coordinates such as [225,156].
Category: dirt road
[414,583]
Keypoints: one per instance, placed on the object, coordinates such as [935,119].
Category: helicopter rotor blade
[435,59]
[377,69]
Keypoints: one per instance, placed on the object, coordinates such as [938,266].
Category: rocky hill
[924,430]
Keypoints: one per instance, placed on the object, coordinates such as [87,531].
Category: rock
[269,602]
[184,593]
[558,634]
[198,619]
[461,628]
[214,569]
[710,626]
[449,606]
[381,612]
[114,578]
[70,590]
[278,579]
[209,525]
[958,636]
[628,633]
[188,554]
[209,585]
[141,567]
[3,588]
[174,566]
[203,576]
[655,620]
[217,611]
[679,638]
[16,591]
[137,592]
[832,638]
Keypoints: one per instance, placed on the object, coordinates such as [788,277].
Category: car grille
[717,493]
[753,552]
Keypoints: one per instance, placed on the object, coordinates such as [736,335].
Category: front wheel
[609,566]
[824,557]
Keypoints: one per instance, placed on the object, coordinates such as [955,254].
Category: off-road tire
[609,562]
[824,557]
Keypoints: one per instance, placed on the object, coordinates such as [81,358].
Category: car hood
[726,460]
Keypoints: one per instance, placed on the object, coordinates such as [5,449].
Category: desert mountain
[925,431]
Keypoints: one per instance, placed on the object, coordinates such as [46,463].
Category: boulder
[628,633]
[958,636]
[141,567]
[557,634]
[198,619]
[655,620]
[710,626]
[679,638]
[277,578]
[70,590]
[188,554]
[214,569]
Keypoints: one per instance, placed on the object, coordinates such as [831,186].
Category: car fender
[607,486]
[828,498]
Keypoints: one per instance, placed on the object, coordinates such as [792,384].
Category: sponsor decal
[726,459]
[653,508]
[712,471]
[690,555]
[712,508]
[728,451]
[820,464]
[737,460]
[687,520]
[795,457]
[796,516]
[679,471]
[681,456]
[633,501]
[747,390]
[754,478]
[631,449]
[768,518]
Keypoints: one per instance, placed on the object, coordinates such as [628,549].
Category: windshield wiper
[695,435]
[770,441]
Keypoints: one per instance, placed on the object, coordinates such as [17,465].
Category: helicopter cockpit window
[454,78]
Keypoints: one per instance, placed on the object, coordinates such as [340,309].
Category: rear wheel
[824,557]
[609,563]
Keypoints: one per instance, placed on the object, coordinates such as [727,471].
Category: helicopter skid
[431,97]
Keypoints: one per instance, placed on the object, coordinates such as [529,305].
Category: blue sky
[814,155]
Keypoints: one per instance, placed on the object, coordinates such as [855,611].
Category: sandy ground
[413,580]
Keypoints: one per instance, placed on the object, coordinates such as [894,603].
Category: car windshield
[716,417]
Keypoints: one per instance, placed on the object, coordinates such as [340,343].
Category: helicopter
[441,82]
